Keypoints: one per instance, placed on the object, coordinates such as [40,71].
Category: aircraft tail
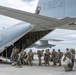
[68,20]
[69,23]
[57,8]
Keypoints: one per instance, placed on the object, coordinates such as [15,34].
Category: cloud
[17,4]
[69,37]
[28,5]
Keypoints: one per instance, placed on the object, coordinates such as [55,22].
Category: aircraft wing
[71,26]
[41,22]
[43,44]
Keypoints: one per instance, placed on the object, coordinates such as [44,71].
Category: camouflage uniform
[30,54]
[47,56]
[39,56]
[23,53]
[49,53]
[68,56]
[54,53]
[72,52]
[14,55]
[59,56]
[19,57]
[67,64]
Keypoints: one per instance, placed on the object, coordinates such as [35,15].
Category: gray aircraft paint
[9,35]
[58,8]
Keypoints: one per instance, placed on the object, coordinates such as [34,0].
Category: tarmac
[35,69]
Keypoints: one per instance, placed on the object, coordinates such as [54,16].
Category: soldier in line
[19,58]
[30,54]
[47,57]
[23,53]
[40,54]
[54,53]
[67,53]
[72,52]
[14,56]
[59,56]
[49,52]
[67,60]
[67,64]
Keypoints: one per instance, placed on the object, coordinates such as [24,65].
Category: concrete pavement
[7,69]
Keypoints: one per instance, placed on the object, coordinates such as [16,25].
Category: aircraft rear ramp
[26,41]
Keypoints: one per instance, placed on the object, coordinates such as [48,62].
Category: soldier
[67,60]
[49,51]
[23,56]
[19,57]
[47,56]
[14,55]
[67,63]
[72,52]
[16,52]
[54,53]
[40,54]
[66,54]
[59,56]
[30,54]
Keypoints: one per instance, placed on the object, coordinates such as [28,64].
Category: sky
[69,36]
[25,5]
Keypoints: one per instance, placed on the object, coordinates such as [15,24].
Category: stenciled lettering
[53,4]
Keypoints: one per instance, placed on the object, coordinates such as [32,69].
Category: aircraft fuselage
[10,35]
